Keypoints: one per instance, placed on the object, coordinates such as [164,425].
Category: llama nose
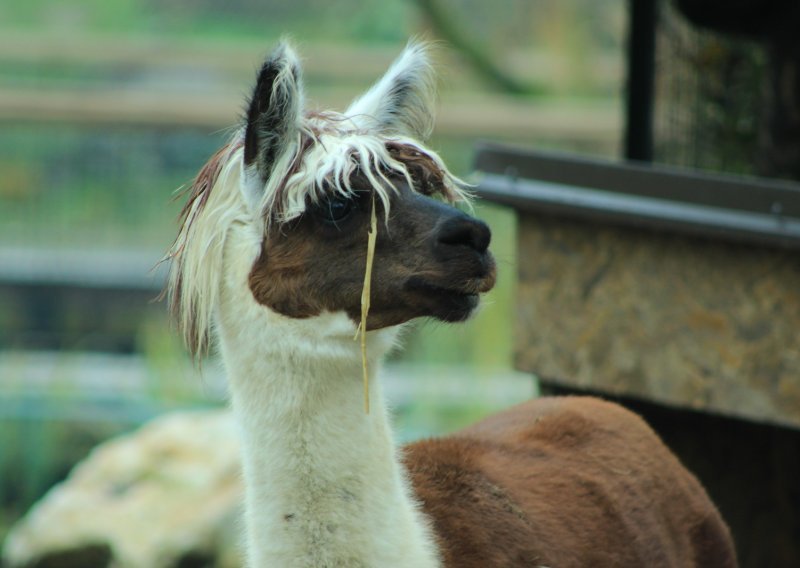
[463,230]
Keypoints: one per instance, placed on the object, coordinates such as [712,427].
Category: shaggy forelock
[329,149]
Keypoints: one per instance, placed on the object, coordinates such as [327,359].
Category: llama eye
[336,209]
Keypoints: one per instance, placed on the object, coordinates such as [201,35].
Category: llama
[271,258]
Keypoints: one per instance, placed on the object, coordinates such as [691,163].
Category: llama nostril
[465,231]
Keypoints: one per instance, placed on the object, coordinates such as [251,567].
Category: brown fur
[414,274]
[428,178]
[565,482]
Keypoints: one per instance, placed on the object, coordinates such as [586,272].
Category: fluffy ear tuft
[402,102]
[274,111]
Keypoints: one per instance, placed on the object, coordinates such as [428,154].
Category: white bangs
[324,159]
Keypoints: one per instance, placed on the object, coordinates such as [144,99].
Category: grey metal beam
[741,209]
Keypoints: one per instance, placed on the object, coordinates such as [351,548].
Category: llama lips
[470,288]
[487,282]
[451,304]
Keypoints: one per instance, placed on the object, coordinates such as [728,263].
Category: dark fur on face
[430,258]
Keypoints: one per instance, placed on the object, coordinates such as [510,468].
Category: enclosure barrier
[679,294]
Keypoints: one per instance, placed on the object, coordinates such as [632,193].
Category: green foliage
[70,185]
[84,185]
[345,20]
[40,446]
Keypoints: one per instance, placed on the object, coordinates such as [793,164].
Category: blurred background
[107,107]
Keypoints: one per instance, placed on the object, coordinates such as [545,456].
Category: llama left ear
[402,101]
[273,116]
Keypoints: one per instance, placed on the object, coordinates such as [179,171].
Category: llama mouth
[450,304]
[471,289]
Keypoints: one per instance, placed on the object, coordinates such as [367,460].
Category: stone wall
[672,319]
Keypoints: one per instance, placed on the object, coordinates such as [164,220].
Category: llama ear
[273,113]
[402,101]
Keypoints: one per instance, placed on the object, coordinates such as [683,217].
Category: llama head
[305,185]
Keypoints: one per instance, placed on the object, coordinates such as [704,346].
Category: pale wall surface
[672,319]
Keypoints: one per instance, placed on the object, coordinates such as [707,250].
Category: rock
[166,495]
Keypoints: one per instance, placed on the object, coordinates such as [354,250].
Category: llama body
[271,255]
[567,481]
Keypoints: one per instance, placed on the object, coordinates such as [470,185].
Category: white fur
[402,102]
[310,451]
[341,147]
[197,252]
[285,117]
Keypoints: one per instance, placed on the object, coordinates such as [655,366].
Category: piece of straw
[365,291]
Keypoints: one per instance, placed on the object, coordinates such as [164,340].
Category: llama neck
[323,484]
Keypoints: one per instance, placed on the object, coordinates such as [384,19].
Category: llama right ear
[273,116]
[402,102]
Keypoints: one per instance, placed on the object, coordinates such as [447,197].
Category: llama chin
[270,261]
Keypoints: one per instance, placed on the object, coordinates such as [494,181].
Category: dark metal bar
[642,25]
[657,197]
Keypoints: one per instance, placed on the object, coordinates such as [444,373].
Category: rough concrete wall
[671,319]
